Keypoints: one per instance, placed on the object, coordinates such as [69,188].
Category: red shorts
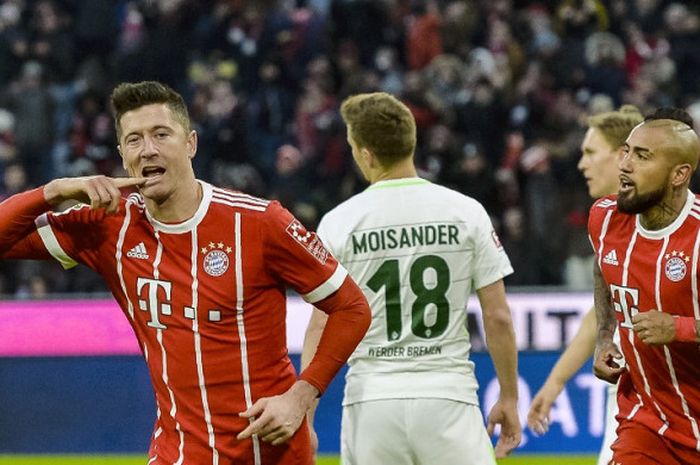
[638,445]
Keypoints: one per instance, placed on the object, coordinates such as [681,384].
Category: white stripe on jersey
[630,333]
[606,203]
[694,214]
[198,351]
[241,330]
[118,256]
[239,196]
[603,232]
[331,285]
[50,241]
[667,353]
[164,355]
[249,206]
[694,277]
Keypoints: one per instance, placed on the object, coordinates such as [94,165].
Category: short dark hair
[130,96]
[676,114]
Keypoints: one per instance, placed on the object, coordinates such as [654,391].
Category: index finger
[127,182]
[253,428]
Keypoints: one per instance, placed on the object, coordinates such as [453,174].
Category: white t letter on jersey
[620,303]
[151,305]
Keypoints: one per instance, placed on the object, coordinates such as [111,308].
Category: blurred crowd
[500,90]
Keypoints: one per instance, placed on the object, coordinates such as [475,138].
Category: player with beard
[601,151]
[647,243]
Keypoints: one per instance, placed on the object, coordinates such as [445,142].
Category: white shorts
[611,410]
[414,432]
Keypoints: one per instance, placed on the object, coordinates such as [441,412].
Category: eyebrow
[643,150]
[152,129]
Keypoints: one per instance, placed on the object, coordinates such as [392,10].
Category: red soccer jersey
[206,299]
[648,270]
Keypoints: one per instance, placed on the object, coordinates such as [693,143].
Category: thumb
[255,409]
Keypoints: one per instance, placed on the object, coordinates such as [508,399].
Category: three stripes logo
[611,258]
[138,251]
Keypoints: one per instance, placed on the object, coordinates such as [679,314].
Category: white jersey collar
[192,222]
[671,228]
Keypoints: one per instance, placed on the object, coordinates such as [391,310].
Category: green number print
[387,276]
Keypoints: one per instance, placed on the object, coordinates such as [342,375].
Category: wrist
[686,331]
[52,195]
[306,392]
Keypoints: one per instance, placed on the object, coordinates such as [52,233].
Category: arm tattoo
[605,315]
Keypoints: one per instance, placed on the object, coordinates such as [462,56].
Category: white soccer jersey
[417,250]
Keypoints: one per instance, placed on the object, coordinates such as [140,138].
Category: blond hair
[382,124]
[615,126]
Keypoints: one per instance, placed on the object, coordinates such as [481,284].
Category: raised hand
[97,191]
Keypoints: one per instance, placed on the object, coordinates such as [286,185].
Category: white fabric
[434,246]
[394,432]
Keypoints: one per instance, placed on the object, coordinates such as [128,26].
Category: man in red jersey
[647,243]
[200,272]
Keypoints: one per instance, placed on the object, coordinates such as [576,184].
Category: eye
[132,140]
[161,135]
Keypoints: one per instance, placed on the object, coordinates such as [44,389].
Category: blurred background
[500,90]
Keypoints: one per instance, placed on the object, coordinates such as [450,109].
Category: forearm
[317,323]
[17,216]
[604,313]
[500,341]
[348,319]
[579,350]
[500,337]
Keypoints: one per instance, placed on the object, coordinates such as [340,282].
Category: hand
[604,365]
[654,327]
[538,416]
[97,191]
[314,438]
[279,416]
[505,413]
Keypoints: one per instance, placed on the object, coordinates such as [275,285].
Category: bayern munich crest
[676,265]
[216,259]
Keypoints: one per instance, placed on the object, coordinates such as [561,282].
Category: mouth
[152,173]
[626,185]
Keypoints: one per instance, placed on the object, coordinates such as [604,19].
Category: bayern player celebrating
[647,243]
[601,151]
[200,273]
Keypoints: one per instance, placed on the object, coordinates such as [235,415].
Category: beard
[631,203]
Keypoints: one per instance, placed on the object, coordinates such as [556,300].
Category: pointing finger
[128,182]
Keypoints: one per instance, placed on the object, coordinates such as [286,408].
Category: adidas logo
[138,251]
[611,258]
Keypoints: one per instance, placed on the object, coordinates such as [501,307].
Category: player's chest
[172,280]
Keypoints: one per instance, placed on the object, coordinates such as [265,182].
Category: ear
[681,175]
[192,144]
[368,158]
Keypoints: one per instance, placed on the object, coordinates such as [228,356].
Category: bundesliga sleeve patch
[496,239]
[308,240]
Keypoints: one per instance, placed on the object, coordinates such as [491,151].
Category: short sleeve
[72,236]
[491,262]
[597,217]
[298,256]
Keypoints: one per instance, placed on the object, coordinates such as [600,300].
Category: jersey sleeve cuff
[331,285]
[51,243]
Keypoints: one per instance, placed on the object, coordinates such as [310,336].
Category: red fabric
[685,329]
[349,317]
[18,236]
[638,445]
[660,388]
[212,347]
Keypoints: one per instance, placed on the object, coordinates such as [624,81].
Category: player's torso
[648,271]
[209,316]
[410,252]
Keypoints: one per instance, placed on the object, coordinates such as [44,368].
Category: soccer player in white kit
[417,250]
[601,151]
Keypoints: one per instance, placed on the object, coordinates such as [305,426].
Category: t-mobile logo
[623,304]
[151,303]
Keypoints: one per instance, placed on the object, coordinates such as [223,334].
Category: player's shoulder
[241,202]
[606,203]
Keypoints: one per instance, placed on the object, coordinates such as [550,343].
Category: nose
[581,165]
[624,164]
[149,147]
